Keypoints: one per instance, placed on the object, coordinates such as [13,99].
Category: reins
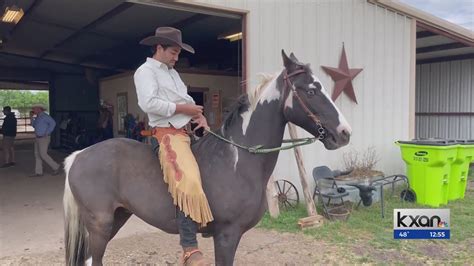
[259,149]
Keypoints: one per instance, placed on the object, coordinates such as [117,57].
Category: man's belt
[146,133]
[151,132]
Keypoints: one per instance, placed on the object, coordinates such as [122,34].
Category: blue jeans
[187,230]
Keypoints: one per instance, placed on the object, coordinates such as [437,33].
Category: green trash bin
[460,169]
[428,168]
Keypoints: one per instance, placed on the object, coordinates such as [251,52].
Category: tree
[23,99]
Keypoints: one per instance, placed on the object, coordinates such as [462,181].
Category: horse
[108,182]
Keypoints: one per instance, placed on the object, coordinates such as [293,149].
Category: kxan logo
[421,224]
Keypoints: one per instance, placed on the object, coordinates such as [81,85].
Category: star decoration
[343,76]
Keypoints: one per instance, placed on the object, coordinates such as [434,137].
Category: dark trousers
[187,230]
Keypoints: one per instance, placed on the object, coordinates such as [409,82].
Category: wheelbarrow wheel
[408,195]
[288,197]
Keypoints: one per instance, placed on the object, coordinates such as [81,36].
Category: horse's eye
[311,92]
[317,85]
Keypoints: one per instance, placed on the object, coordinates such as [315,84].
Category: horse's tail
[75,232]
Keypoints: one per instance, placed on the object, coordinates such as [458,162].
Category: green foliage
[286,221]
[23,99]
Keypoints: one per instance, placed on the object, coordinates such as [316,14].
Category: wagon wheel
[288,197]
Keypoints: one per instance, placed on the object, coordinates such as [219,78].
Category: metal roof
[105,34]
[437,40]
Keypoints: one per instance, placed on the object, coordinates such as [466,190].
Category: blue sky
[459,12]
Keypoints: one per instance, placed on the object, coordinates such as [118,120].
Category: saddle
[177,161]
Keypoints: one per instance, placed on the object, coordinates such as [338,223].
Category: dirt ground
[31,233]
[258,247]
[31,229]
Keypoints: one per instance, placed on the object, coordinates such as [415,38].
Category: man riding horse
[110,181]
[163,96]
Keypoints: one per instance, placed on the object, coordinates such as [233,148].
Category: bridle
[290,86]
[259,149]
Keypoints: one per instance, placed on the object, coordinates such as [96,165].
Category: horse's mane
[255,93]
[248,101]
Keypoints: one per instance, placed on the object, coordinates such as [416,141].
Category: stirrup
[188,254]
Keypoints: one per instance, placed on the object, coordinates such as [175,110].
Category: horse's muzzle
[335,141]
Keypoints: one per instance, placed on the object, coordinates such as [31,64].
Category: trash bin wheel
[408,195]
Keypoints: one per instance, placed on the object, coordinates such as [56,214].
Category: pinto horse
[109,181]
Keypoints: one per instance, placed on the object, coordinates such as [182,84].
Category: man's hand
[189,109]
[201,122]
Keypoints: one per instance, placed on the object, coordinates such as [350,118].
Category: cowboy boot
[193,256]
[187,232]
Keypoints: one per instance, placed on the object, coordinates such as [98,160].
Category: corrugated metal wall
[445,99]
[376,39]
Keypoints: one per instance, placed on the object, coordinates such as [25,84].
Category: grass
[366,228]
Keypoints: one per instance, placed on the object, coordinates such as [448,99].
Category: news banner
[421,224]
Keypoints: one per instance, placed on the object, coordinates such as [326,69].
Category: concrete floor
[31,217]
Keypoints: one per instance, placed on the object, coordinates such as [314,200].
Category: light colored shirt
[159,89]
[43,124]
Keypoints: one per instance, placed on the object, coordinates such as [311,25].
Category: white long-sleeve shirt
[159,89]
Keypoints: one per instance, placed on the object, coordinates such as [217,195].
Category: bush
[361,164]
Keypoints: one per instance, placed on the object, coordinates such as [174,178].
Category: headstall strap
[313,116]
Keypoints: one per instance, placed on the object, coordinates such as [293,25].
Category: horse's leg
[100,230]
[226,241]
[121,216]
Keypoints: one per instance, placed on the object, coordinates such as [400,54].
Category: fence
[23,125]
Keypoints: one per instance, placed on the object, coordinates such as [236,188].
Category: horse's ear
[293,57]
[287,62]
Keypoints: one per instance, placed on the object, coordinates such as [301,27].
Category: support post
[314,219]
[272,198]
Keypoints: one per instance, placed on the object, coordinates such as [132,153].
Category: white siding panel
[444,88]
[465,86]
[417,85]
[405,92]
[471,130]
[358,44]
[343,25]
[434,98]
[466,91]
[368,45]
[375,39]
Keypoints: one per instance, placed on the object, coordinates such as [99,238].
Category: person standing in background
[44,126]
[104,125]
[9,133]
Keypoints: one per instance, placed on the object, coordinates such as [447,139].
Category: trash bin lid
[430,142]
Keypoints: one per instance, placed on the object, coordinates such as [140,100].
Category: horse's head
[308,105]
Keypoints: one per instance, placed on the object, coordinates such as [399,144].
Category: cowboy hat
[167,35]
[39,105]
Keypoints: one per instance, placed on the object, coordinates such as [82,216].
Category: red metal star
[343,77]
